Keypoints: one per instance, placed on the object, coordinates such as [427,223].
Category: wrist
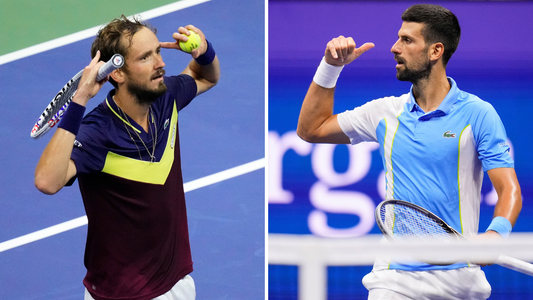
[72,117]
[80,99]
[208,56]
[326,75]
[501,225]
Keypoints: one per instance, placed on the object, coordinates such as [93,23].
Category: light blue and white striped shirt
[434,159]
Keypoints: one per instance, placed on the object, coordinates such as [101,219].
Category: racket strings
[409,225]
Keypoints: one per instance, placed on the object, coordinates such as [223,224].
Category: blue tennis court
[220,130]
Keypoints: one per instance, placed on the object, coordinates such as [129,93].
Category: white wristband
[326,75]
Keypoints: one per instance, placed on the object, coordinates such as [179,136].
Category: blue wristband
[501,225]
[71,119]
[208,56]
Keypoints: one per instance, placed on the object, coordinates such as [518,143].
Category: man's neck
[134,110]
[430,92]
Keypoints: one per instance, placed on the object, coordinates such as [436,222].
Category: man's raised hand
[342,50]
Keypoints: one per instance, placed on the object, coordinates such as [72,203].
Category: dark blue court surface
[221,129]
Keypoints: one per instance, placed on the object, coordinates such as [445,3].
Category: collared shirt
[434,159]
[137,239]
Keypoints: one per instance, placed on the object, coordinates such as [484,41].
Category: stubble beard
[414,75]
[144,95]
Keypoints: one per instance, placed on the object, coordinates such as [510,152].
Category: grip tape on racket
[117,61]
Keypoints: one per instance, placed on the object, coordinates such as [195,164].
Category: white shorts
[462,283]
[182,290]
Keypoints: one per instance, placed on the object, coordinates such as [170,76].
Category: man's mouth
[399,64]
[399,60]
[159,74]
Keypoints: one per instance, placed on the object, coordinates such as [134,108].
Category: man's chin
[159,90]
[161,87]
[148,96]
[401,76]
[409,76]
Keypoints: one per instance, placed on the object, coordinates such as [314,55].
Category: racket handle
[115,62]
[515,264]
[59,104]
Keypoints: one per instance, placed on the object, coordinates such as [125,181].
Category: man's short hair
[110,39]
[440,25]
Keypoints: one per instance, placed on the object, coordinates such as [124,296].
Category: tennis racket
[402,221]
[59,104]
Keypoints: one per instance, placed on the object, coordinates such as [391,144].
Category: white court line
[224,175]
[81,221]
[87,33]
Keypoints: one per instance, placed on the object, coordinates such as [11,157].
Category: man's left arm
[204,68]
[509,202]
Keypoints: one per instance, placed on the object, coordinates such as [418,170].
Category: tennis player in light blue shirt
[436,142]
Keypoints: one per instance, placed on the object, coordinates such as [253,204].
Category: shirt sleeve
[360,124]
[89,152]
[183,88]
[351,125]
[491,139]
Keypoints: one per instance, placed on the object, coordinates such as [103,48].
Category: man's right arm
[317,123]
[55,168]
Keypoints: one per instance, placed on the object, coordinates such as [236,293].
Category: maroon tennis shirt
[137,241]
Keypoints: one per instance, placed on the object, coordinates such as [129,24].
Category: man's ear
[436,51]
[118,75]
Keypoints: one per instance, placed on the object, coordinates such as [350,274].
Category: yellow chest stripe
[143,171]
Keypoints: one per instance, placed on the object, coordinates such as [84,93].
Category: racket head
[55,110]
[404,221]
[53,113]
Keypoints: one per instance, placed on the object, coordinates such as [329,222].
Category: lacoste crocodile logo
[448,135]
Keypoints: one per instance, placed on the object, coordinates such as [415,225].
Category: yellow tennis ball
[192,43]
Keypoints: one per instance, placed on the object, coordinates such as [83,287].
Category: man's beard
[414,75]
[145,96]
